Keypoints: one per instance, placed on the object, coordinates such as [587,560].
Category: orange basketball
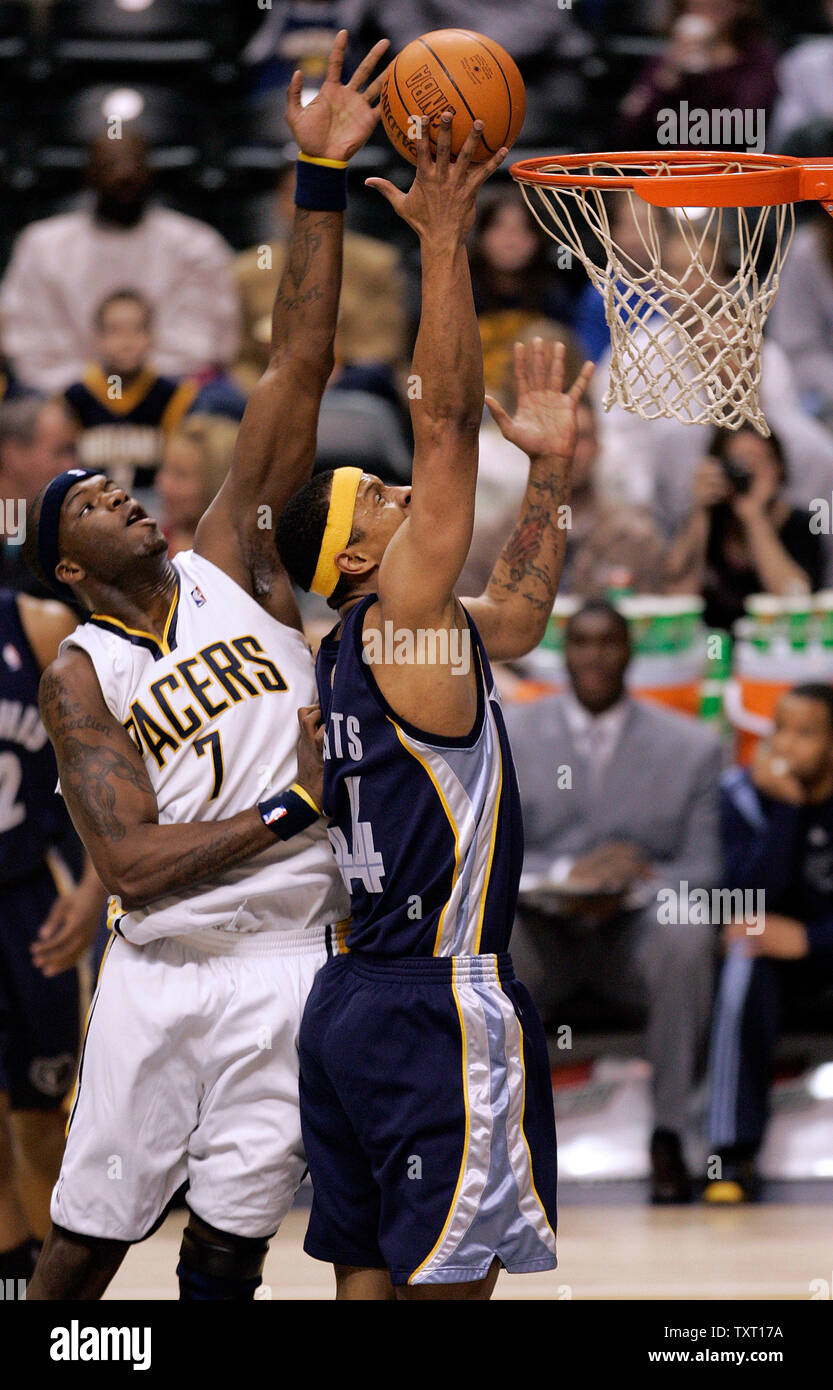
[460,71]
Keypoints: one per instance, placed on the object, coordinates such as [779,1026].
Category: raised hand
[544,422]
[340,118]
[440,204]
[710,484]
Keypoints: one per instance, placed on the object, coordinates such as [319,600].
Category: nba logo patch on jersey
[198,596]
[11,656]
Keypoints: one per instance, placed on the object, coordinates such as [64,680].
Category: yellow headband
[337,530]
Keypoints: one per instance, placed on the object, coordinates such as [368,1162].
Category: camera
[738,478]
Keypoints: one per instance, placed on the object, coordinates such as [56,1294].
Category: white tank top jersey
[212,709]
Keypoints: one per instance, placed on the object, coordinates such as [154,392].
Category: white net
[686,330]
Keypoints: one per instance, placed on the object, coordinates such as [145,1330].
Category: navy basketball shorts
[427,1118]
[39,1017]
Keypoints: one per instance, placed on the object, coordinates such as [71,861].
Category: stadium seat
[249,145]
[167,119]
[14,32]
[355,425]
[165,32]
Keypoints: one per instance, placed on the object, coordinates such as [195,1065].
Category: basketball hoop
[686,342]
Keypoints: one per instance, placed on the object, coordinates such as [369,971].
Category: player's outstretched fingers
[443,159]
[293,93]
[539,379]
[497,412]
[555,378]
[485,171]
[467,149]
[581,382]
[521,374]
[335,62]
[373,91]
[422,140]
[367,65]
[388,190]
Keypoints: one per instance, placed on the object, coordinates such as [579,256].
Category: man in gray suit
[620,802]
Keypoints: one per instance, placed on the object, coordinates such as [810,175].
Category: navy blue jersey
[32,815]
[427,830]
[124,433]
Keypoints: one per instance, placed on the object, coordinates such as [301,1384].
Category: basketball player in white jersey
[168,710]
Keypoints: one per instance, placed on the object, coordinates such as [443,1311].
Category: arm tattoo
[88,774]
[226,847]
[294,292]
[528,563]
[63,714]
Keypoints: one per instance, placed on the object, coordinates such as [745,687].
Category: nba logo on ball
[460,71]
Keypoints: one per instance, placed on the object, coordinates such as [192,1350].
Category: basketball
[460,71]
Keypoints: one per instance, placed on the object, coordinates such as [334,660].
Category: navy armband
[289,812]
[321,184]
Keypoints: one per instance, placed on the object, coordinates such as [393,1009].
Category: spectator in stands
[777,829]
[606,827]
[607,545]
[805,85]
[513,280]
[716,58]
[62,267]
[741,536]
[371,337]
[293,35]
[37,441]
[10,387]
[801,320]
[196,460]
[124,409]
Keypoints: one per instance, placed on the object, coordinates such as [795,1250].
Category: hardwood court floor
[773,1251]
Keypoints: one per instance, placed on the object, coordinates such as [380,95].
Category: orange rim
[711,178]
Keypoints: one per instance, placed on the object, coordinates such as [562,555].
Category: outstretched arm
[512,613]
[275,447]
[420,566]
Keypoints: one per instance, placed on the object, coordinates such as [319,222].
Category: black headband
[49,521]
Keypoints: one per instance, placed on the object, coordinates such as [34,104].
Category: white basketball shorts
[189,1073]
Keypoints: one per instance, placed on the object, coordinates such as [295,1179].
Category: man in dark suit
[620,802]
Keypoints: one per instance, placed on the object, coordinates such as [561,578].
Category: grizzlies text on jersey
[427,830]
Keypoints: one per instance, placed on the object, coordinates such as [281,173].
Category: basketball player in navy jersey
[46,922]
[425,1092]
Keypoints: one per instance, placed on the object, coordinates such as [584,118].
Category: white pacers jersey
[212,709]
